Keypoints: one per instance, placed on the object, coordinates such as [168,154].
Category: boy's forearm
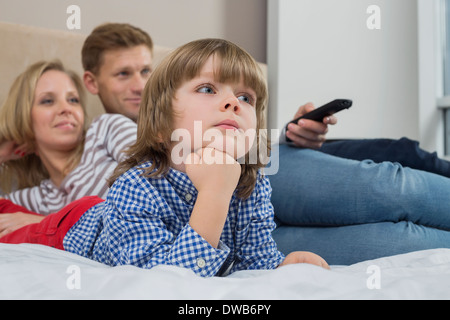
[209,215]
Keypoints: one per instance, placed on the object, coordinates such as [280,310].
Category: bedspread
[38,272]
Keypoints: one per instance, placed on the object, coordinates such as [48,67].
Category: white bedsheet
[39,272]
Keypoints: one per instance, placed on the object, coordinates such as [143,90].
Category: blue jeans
[404,151]
[349,210]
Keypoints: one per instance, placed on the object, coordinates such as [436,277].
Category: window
[432,102]
[444,97]
[445,41]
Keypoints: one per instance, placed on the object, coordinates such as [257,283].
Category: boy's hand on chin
[213,170]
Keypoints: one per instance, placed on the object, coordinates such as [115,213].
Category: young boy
[207,213]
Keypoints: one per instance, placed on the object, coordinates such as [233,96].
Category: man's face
[122,78]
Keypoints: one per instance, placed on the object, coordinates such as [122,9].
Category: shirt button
[188,197]
[201,262]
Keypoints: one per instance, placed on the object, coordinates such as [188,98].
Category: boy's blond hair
[155,121]
[16,125]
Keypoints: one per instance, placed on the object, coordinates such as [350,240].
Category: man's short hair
[111,36]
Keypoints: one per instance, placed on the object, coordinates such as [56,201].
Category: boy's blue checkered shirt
[145,222]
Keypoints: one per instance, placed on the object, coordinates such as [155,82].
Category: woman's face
[57,116]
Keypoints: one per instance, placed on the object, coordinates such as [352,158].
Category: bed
[31,271]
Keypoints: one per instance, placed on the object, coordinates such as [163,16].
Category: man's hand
[308,133]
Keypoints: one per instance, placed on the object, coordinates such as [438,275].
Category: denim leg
[404,151]
[351,244]
[315,189]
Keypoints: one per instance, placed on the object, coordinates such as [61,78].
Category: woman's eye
[46,101]
[74,100]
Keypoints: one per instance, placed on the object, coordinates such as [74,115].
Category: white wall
[171,23]
[319,50]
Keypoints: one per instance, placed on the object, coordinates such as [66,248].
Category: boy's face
[121,79]
[221,115]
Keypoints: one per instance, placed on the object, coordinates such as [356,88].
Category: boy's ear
[90,82]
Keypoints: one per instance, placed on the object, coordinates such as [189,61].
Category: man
[117,59]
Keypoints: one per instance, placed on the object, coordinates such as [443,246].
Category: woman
[46,153]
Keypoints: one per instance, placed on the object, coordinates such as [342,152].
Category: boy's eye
[246,98]
[206,89]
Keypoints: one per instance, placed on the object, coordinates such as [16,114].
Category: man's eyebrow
[129,67]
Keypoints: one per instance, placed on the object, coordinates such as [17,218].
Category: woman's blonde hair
[155,121]
[16,125]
